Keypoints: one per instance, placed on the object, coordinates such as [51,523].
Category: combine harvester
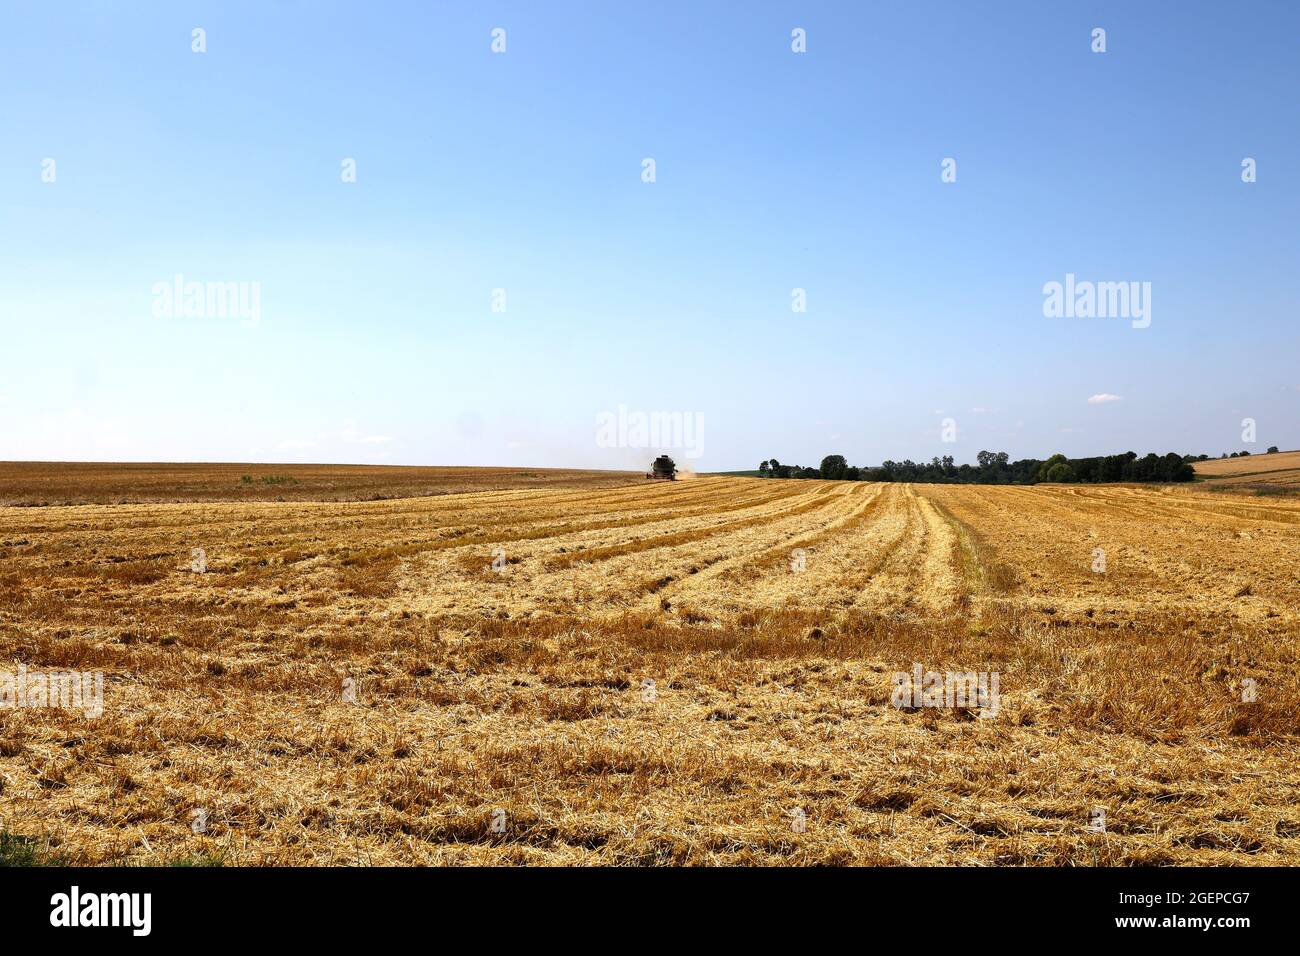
[663,469]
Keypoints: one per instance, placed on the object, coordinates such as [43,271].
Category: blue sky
[376,340]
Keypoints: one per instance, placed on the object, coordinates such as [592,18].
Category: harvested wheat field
[1279,471]
[691,672]
[40,483]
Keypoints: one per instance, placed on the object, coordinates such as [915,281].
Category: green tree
[833,467]
[1060,472]
[1045,468]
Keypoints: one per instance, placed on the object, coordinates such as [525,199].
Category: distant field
[76,483]
[1281,470]
[653,672]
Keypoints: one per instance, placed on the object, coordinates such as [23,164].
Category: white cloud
[350,435]
[295,443]
[1103,397]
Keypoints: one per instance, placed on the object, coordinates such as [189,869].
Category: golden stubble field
[1280,470]
[659,673]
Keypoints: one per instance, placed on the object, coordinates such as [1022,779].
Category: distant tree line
[1272,450]
[996,468]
